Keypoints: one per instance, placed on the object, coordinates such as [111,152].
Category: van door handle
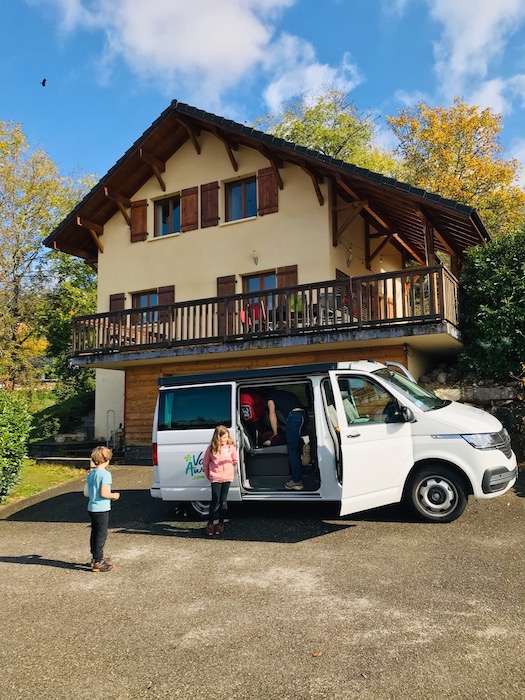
[352,435]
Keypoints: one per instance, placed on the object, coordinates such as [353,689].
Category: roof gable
[388,205]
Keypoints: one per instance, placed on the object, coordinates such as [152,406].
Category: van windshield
[422,398]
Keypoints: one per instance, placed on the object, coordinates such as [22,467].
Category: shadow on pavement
[33,559]
[137,513]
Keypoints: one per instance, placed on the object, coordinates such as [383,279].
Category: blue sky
[112,66]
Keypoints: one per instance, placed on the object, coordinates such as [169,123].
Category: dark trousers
[292,430]
[219,495]
[99,534]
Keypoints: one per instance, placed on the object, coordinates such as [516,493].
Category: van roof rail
[243,374]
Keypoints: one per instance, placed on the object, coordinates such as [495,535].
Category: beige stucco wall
[300,233]
[109,397]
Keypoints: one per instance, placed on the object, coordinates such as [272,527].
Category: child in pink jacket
[219,461]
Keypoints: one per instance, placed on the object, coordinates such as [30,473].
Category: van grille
[503,443]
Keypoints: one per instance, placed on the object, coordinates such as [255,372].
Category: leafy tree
[15,423]
[328,123]
[456,153]
[74,294]
[492,309]
[33,199]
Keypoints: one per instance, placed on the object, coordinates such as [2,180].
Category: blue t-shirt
[95,479]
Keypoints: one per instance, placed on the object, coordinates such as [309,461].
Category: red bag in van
[252,407]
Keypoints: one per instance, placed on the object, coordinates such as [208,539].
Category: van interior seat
[249,442]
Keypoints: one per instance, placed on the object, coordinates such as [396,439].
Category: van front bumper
[497,479]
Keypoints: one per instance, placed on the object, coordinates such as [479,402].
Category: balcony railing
[412,295]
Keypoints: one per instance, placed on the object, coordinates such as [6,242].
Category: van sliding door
[376,455]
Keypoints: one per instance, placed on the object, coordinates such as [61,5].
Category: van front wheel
[197,509]
[437,494]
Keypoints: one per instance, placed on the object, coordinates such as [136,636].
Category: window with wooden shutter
[139,220]
[117,302]
[165,296]
[209,204]
[226,310]
[287,276]
[267,191]
[189,209]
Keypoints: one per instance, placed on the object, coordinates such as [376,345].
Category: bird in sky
[43,83]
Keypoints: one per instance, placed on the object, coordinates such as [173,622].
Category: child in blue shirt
[98,490]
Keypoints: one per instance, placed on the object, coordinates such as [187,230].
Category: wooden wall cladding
[142,382]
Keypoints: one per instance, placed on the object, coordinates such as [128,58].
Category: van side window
[364,401]
[195,407]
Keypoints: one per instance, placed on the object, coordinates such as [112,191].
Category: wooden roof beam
[230,146]
[417,256]
[122,203]
[354,209]
[158,166]
[192,132]
[316,180]
[95,231]
[425,217]
[276,164]
[355,195]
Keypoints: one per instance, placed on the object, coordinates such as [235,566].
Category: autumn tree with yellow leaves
[456,152]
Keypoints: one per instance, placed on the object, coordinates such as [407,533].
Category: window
[364,401]
[241,199]
[195,407]
[167,216]
[143,300]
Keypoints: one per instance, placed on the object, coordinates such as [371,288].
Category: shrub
[492,308]
[15,423]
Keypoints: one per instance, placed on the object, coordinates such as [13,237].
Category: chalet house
[221,247]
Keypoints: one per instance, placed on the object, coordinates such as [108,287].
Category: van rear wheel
[198,509]
[437,494]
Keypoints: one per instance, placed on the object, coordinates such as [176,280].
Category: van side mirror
[397,413]
[407,414]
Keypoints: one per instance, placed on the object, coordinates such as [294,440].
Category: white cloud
[294,69]
[204,48]
[474,35]
[410,99]
[490,93]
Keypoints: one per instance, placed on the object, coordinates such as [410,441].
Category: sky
[112,66]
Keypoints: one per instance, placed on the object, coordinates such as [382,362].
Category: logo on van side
[194,466]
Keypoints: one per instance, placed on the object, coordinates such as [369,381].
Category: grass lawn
[39,477]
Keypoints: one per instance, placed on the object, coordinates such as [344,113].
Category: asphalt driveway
[292,603]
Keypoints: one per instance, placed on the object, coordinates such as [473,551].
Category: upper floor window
[167,216]
[241,199]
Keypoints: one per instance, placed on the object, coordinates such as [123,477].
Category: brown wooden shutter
[209,204]
[189,209]
[267,191]
[225,287]
[165,296]
[287,276]
[139,220]
[117,302]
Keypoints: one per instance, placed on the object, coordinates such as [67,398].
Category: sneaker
[294,486]
[219,529]
[102,566]
[210,529]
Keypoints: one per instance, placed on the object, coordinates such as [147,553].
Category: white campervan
[374,435]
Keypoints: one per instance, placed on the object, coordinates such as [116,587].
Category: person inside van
[288,405]
[255,420]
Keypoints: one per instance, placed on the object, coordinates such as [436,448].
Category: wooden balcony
[411,296]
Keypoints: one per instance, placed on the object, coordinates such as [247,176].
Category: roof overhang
[392,208]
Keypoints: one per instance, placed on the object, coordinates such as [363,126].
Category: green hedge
[15,424]
[492,308]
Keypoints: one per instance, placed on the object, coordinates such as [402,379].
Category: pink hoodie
[219,467]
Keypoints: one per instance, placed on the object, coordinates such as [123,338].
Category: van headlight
[484,441]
